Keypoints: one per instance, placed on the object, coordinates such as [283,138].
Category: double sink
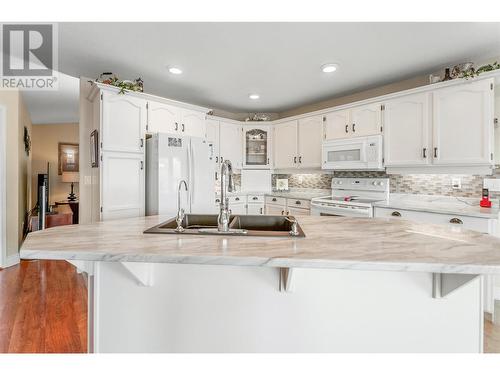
[240,225]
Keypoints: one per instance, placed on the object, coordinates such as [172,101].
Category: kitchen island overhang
[350,285]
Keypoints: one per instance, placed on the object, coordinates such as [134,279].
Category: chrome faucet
[226,183]
[180,211]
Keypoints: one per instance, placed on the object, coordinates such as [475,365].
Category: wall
[45,145]
[17,169]
[432,184]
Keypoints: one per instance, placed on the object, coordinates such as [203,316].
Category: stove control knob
[374,183]
[340,182]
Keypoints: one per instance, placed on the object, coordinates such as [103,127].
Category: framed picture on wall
[68,157]
[94,149]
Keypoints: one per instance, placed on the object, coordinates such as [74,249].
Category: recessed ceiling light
[329,68]
[175,70]
[254,96]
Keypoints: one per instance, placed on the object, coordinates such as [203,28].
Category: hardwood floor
[43,308]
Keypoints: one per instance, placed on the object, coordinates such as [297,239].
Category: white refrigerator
[170,159]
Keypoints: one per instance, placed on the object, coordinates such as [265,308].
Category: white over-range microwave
[361,153]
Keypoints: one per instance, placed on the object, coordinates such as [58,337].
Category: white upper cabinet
[124,121]
[285,145]
[162,118]
[407,129]
[337,124]
[310,134]
[193,123]
[366,120]
[256,147]
[353,122]
[230,144]
[165,118]
[463,124]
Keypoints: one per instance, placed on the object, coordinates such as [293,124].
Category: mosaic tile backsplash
[432,184]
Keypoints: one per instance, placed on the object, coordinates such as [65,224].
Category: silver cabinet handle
[274,199]
[435,152]
[142,142]
[282,212]
[353,128]
[236,199]
[176,126]
[183,127]
[216,159]
[396,213]
[456,220]
[294,160]
[300,159]
[297,202]
[261,210]
[424,153]
[142,165]
[347,128]
[217,201]
[255,198]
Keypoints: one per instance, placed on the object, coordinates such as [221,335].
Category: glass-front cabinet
[257,147]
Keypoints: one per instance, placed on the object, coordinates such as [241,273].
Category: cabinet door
[285,145]
[238,208]
[337,125]
[255,209]
[122,185]
[310,138]
[366,120]
[123,122]
[298,211]
[230,145]
[256,147]
[193,123]
[162,118]
[407,130]
[273,209]
[463,124]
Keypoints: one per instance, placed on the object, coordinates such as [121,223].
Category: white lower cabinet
[483,225]
[255,208]
[298,211]
[122,185]
[238,208]
[273,209]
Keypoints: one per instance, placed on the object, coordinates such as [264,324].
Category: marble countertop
[330,242]
[440,204]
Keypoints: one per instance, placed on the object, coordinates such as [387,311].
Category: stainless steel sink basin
[241,225]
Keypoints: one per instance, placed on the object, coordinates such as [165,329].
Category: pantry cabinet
[357,121]
[124,120]
[407,130]
[230,144]
[463,124]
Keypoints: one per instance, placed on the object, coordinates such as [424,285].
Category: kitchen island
[351,285]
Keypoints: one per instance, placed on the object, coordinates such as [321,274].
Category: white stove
[352,197]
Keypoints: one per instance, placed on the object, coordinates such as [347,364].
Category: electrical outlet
[456,183]
[492,184]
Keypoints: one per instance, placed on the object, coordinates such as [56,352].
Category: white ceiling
[224,62]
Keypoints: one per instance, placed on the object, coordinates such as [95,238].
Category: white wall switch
[456,183]
[87,180]
[492,184]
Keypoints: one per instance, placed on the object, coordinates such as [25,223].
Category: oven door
[344,154]
[335,209]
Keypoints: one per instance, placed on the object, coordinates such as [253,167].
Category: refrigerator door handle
[191,170]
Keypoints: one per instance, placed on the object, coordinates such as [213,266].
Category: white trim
[496,293]
[4,262]
[96,87]
[11,260]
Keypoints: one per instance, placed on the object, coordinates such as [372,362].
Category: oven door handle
[344,209]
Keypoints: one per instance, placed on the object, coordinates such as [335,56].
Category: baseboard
[10,261]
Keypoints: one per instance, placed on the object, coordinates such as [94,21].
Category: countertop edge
[403,206]
[267,262]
